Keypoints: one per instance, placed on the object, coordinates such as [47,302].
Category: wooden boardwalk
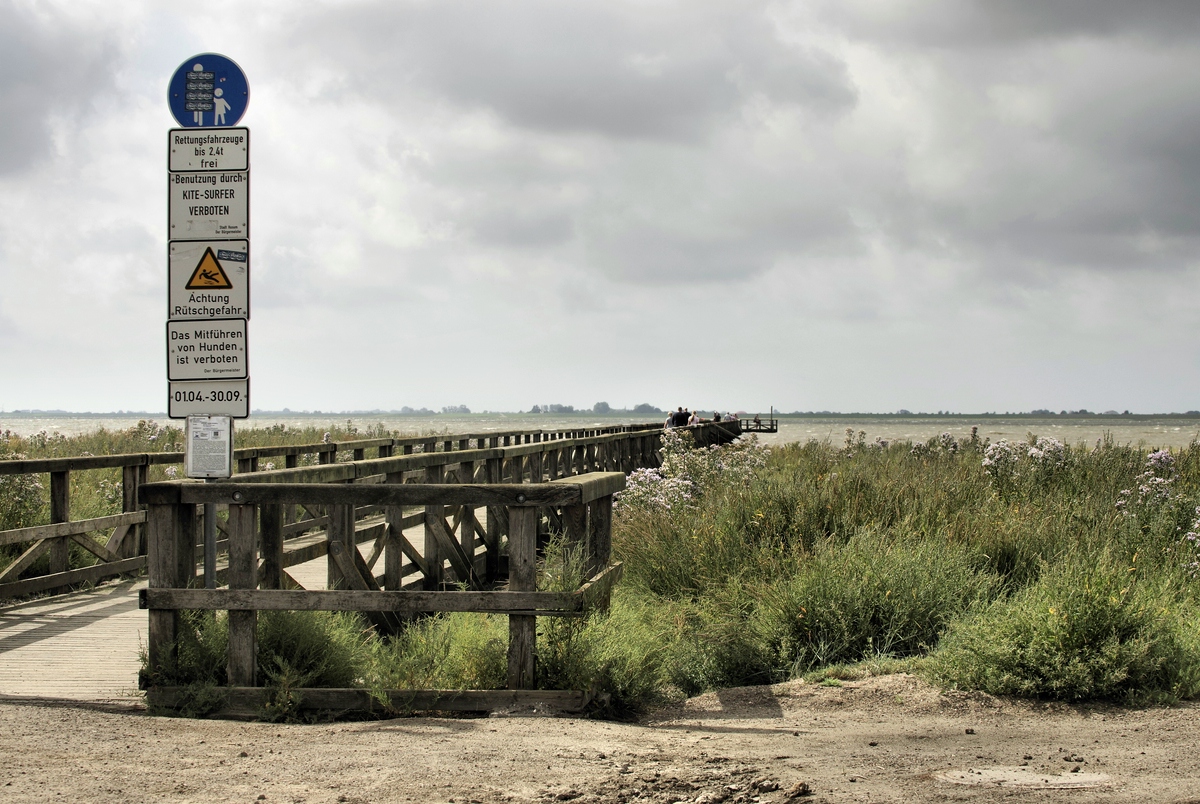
[85,646]
[82,646]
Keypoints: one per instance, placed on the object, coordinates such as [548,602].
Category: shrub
[872,596]
[1087,629]
[311,648]
[448,651]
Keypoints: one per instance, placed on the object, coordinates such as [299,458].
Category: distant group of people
[683,417]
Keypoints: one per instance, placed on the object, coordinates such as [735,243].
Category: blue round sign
[208,91]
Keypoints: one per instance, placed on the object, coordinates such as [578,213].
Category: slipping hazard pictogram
[208,274]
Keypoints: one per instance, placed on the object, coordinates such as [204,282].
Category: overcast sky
[843,205]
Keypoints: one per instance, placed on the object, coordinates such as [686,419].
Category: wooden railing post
[60,511]
[599,534]
[171,535]
[129,503]
[392,554]
[466,524]
[575,529]
[271,522]
[432,550]
[241,667]
[341,530]
[496,518]
[522,577]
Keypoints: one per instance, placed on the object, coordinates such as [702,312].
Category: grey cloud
[609,68]
[648,102]
[50,65]
[1102,171]
[973,23]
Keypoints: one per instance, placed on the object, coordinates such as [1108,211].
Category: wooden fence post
[241,667]
[341,530]
[466,524]
[171,534]
[575,530]
[522,577]
[599,534]
[60,511]
[129,504]
[392,554]
[432,550]
[271,522]
[497,516]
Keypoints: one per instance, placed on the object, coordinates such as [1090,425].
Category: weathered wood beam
[540,494]
[37,532]
[98,572]
[406,602]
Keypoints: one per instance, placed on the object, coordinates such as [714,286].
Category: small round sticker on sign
[208,91]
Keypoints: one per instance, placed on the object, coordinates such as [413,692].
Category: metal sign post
[209,455]
[208,269]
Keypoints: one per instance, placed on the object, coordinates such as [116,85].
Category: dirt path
[881,740]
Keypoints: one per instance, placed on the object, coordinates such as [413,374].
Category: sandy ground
[887,739]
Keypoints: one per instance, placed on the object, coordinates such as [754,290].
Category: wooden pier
[431,513]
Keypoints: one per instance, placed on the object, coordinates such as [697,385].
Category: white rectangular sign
[208,279]
[202,206]
[209,448]
[211,349]
[208,149]
[208,397]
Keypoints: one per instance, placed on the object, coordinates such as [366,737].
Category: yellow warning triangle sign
[209,274]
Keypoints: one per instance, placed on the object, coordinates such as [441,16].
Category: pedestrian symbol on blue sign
[208,90]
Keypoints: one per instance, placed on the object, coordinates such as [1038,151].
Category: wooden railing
[551,453]
[582,504]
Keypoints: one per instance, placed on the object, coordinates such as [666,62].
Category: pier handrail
[585,503]
[489,457]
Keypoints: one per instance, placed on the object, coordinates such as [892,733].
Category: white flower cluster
[1003,459]
[650,489]
[687,473]
[1047,453]
[1154,485]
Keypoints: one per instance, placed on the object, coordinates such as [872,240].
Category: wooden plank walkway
[82,646]
[85,646]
